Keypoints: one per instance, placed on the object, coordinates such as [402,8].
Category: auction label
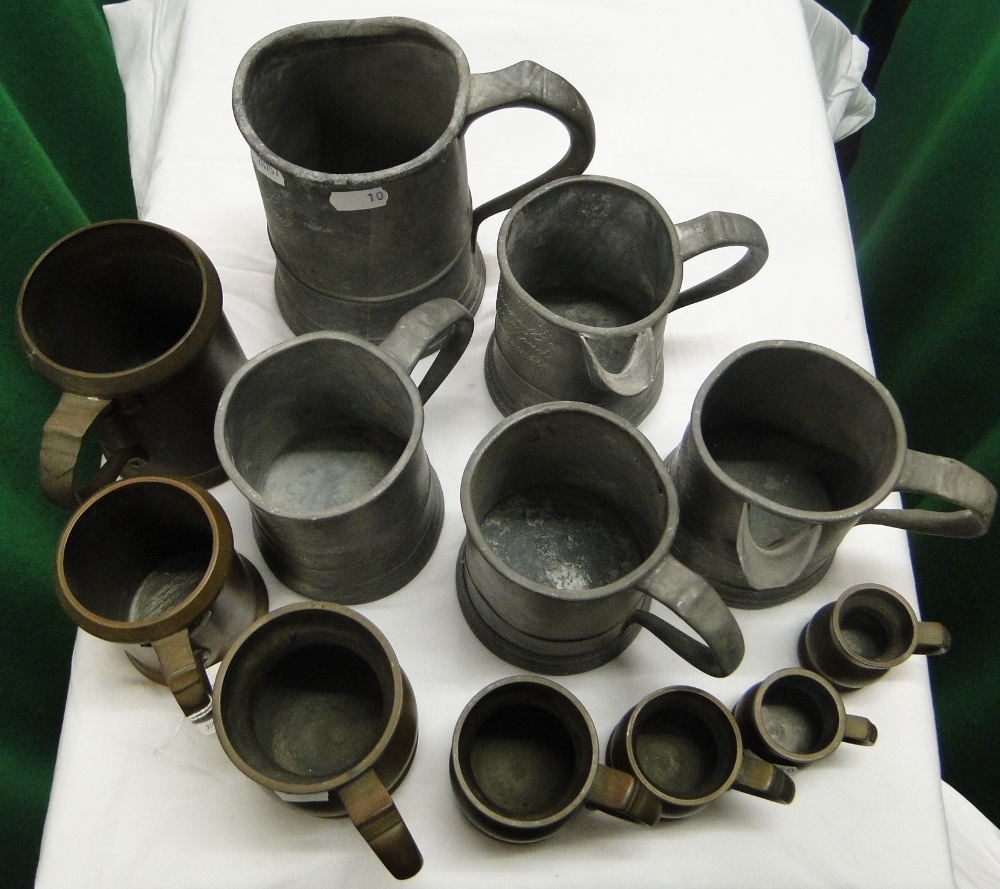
[359,200]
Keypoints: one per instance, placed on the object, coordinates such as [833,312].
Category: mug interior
[525,752]
[568,500]
[138,551]
[685,746]
[799,715]
[318,425]
[801,430]
[593,252]
[875,626]
[351,103]
[112,298]
[306,697]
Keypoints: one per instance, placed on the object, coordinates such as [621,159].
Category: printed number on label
[359,200]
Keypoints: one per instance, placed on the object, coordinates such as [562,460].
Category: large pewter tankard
[789,446]
[356,134]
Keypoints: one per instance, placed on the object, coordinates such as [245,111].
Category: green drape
[924,203]
[63,163]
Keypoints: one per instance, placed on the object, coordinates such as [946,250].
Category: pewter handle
[418,333]
[721,229]
[62,438]
[949,480]
[764,780]
[183,672]
[618,793]
[697,603]
[528,85]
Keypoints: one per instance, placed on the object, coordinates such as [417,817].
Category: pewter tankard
[356,134]
[323,435]
[569,517]
[789,446]
[589,269]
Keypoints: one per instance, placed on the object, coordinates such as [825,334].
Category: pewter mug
[589,269]
[356,133]
[796,717]
[524,761]
[870,629]
[149,563]
[125,317]
[789,446]
[311,703]
[323,436]
[684,746]
[569,518]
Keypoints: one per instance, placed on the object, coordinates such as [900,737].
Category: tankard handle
[528,85]
[693,600]
[418,333]
[721,229]
[377,819]
[62,438]
[949,480]
[184,672]
[618,793]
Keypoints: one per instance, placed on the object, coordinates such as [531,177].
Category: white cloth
[707,105]
[841,59]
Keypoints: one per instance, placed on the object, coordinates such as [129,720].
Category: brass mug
[684,746]
[149,563]
[524,761]
[311,703]
[867,631]
[796,717]
[125,317]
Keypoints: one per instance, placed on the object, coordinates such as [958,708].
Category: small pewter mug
[149,563]
[311,703]
[790,445]
[356,134]
[323,436]
[684,746]
[125,317]
[524,761]
[569,518]
[795,717]
[589,269]
[870,629]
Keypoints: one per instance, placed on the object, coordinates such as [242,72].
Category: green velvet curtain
[924,203]
[63,163]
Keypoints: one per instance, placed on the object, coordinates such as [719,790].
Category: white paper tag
[359,200]
[304,797]
[272,172]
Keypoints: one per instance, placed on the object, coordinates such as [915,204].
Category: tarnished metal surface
[870,629]
[684,746]
[311,703]
[125,317]
[524,760]
[790,445]
[149,563]
[589,269]
[323,436]
[363,171]
[569,519]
